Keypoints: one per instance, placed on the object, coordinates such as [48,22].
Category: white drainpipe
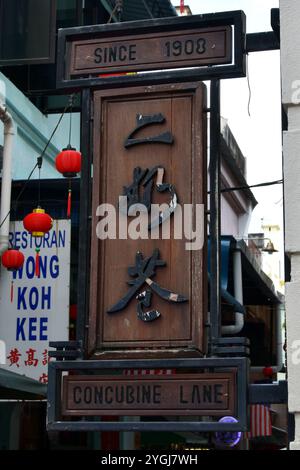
[238,294]
[9,132]
[239,317]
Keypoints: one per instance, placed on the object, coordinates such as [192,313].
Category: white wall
[290,72]
[236,207]
[229,219]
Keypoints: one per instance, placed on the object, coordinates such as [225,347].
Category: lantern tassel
[181,7]
[69,203]
[37,262]
[12,291]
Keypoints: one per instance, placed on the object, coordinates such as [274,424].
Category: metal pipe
[239,317]
[84,221]
[238,294]
[279,340]
[215,208]
[9,132]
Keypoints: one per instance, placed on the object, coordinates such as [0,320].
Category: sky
[258,135]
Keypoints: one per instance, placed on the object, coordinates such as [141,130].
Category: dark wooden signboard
[169,50]
[151,51]
[211,394]
[173,149]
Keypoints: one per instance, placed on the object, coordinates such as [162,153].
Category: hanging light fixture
[68,162]
[12,259]
[38,223]
[269,248]
[268,372]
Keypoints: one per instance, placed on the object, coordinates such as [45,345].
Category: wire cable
[249,86]
[117,9]
[259,185]
[70,123]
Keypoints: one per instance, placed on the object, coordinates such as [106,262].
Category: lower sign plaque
[210,394]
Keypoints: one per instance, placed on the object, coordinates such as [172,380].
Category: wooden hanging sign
[195,47]
[148,289]
[210,394]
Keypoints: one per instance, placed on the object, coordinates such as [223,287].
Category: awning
[142,9]
[20,387]
[258,288]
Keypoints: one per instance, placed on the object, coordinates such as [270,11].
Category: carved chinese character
[145,301]
[144,121]
[145,179]
[143,270]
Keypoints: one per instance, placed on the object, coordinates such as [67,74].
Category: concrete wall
[290,71]
[236,207]
[229,219]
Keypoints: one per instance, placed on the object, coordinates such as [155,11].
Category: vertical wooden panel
[180,325]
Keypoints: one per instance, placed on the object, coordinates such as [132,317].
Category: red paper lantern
[68,162]
[38,222]
[268,372]
[12,259]
[73,312]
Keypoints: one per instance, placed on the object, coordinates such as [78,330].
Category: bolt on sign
[148,285]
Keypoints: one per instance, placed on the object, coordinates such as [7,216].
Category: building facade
[290,69]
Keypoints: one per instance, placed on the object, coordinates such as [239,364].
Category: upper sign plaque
[175,49]
[152,51]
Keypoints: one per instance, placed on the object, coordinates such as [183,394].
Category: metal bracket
[259,42]
[66,350]
[268,393]
[238,347]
